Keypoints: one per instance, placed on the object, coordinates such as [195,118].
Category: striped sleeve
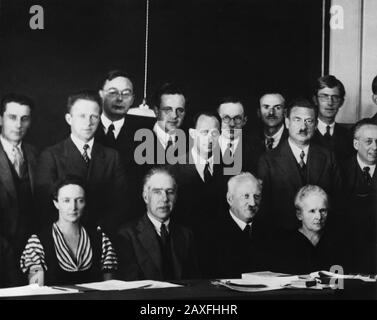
[109,260]
[33,255]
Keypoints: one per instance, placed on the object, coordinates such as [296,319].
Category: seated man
[154,247]
[240,239]
[360,183]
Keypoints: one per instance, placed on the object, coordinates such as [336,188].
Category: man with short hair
[235,145]
[272,111]
[80,155]
[17,167]
[241,240]
[295,163]
[374,98]
[329,96]
[360,184]
[154,247]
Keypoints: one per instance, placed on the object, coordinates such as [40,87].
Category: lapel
[177,244]
[148,239]
[288,164]
[6,175]
[96,164]
[73,160]
[315,163]
[31,163]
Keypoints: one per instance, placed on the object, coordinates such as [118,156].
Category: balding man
[241,240]
[154,247]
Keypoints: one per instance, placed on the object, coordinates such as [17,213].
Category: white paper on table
[126,285]
[318,274]
[34,289]
[269,278]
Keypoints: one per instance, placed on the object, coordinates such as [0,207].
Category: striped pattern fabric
[33,254]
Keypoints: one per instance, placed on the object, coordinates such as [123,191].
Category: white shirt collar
[363,165]
[157,224]
[241,224]
[162,136]
[80,145]
[297,151]
[8,148]
[224,142]
[200,163]
[276,137]
[118,124]
[322,127]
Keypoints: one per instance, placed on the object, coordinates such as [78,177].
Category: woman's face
[70,203]
[313,213]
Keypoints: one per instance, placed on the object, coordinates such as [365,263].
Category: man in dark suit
[80,155]
[238,150]
[17,167]
[154,247]
[272,111]
[295,163]
[329,95]
[360,183]
[240,239]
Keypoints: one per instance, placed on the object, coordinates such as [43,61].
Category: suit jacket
[15,225]
[235,252]
[261,139]
[340,142]
[105,182]
[281,181]
[140,256]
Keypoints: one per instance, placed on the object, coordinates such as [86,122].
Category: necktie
[167,262]
[367,176]
[269,143]
[328,133]
[302,157]
[110,137]
[207,174]
[247,231]
[164,235]
[228,154]
[18,161]
[85,154]
[171,145]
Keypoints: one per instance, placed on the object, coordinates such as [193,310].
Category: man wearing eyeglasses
[295,163]
[329,95]
[235,145]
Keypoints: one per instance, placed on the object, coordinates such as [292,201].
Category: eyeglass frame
[115,93]
[325,97]
[236,119]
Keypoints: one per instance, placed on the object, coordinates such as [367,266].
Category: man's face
[205,134]
[84,119]
[301,125]
[70,203]
[272,110]
[233,119]
[245,200]
[160,195]
[313,213]
[366,145]
[15,122]
[329,103]
[171,111]
[117,97]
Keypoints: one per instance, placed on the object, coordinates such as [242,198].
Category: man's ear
[286,120]
[192,133]
[1,121]
[101,94]
[145,196]
[356,144]
[157,111]
[298,214]
[315,100]
[229,198]
[374,98]
[244,120]
[68,118]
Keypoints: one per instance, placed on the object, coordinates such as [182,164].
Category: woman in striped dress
[66,252]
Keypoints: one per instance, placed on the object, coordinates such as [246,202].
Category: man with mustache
[154,247]
[272,111]
[240,239]
[81,156]
[360,183]
[329,96]
[18,161]
[295,163]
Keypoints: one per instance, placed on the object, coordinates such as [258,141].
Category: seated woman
[313,247]
[66,252]
[9,276]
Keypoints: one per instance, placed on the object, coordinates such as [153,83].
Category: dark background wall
[215,47]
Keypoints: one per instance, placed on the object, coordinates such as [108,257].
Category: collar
[276,137]
[118,124]
[162,136]
[241,224]
[8,147]
[362,165]
[80,145]
[297,151]
[224,142]
[200,163]
[157,224]
[322,127]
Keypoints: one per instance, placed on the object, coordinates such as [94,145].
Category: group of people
[132,197]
